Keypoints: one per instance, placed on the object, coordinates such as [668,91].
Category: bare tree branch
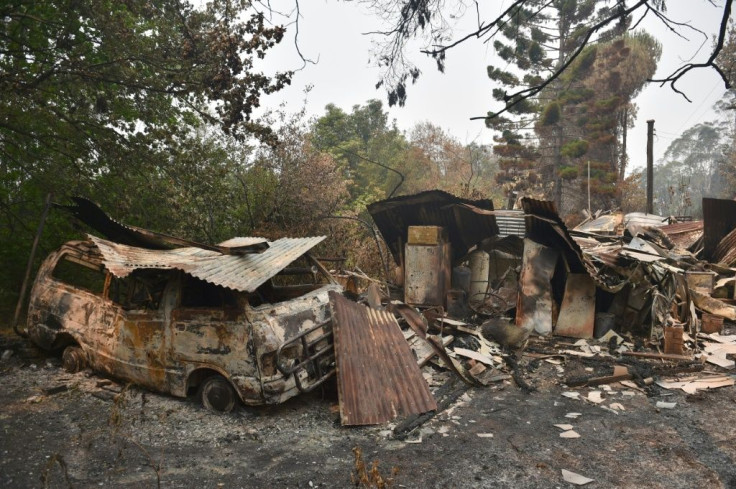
[675,76]
[423,18]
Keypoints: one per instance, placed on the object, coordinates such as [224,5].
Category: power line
[699,106]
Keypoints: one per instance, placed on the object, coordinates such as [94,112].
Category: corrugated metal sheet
[544,226]
[607,255]
[684,234]
[510,223]
[92,215]
[641,220]
[378,377]
[608,224]
[433,208]
[239,272]
[719,219]
[726,250]
[586,242]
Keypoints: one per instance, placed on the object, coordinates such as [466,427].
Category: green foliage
[576,95]
[504,77]
[536,53]
[693,167]
[575,149]
[366,146]
[104,99]
[542,35]
[608,104]
[582,65]
[551,114]
[568,172]
[596,98]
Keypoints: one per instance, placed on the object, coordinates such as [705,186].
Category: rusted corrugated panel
[719,219]
[239,272]
[378,377]
[433,208]
[726,250]
[684,234]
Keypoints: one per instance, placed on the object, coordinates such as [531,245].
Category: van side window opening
[79,273]
[199,293]
[299,278]
[142,289]
[300,273]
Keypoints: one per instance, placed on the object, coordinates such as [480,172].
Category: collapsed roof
[466,228]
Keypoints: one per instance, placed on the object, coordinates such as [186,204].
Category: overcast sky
[333,34]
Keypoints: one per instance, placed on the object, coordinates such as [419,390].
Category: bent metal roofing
[244,273]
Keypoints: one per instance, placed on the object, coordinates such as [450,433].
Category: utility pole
[589,212]
[650,166]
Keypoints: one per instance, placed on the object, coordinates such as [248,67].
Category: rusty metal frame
[311,359]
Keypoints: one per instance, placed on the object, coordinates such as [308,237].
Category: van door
[137,303]
[68,298]
[208,329]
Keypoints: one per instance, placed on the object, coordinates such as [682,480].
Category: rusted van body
[190,320]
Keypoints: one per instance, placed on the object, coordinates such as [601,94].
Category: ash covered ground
[62,430]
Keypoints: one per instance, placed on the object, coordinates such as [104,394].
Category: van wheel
[217,395]
[73,359]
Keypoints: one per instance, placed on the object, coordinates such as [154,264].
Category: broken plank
[474,355]
[427,353]
[659,356]
[593,381]
[692,386]
[721,361]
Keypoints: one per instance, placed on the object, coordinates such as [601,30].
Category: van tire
[217,395]
[73,359]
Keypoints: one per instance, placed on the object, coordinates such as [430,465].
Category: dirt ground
[63,430]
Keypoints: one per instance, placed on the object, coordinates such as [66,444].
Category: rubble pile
[636,300]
